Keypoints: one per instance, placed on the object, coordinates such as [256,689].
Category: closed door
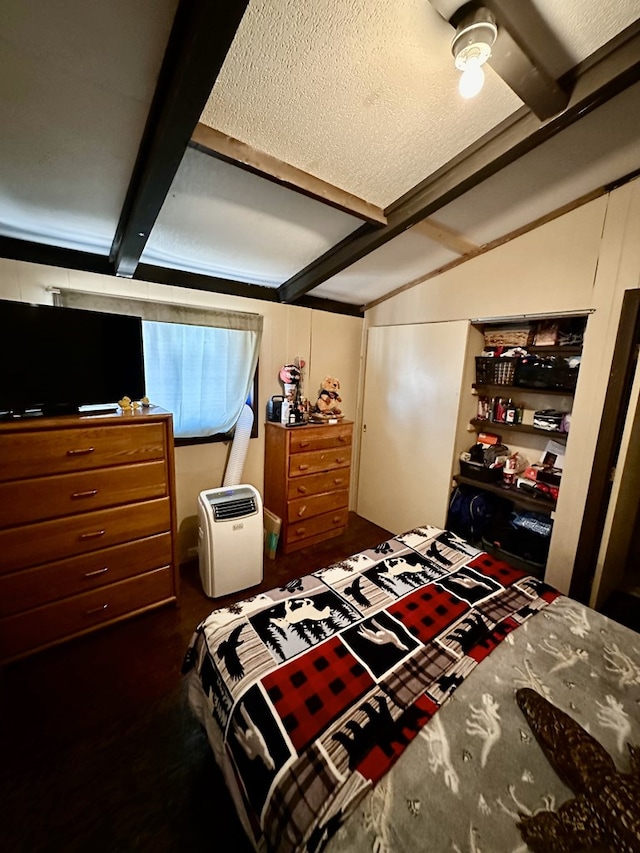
[413,382]
[618,548]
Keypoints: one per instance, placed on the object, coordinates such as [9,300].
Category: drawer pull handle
[82,451]
[97,572]
[97,610]
[337,481]
[336,519]
[304,444]
[301,511]
[303,490]
[301,531]
[340,460]
[343,438]
[302,467]
[93,535]
[88,494]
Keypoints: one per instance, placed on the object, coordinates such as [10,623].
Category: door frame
[612,423]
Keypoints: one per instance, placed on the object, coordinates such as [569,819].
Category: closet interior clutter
[509,478]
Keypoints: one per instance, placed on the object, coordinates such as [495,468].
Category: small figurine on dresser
[290,376]
[293,406]
[326,408]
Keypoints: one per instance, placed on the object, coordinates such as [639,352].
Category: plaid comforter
[318,687]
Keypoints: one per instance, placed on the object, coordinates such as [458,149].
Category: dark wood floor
[74,690]
[95,751]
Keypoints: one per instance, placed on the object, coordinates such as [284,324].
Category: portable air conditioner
[230,539]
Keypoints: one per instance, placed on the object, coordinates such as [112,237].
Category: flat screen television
[55,360]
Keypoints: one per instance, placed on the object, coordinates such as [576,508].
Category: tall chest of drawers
[87,525]
[306,480]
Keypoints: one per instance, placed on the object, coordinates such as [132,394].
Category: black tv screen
[57,359]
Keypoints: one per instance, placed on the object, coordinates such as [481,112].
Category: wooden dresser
[306,480]
[87,525]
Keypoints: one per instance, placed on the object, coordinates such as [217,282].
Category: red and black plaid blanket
[319,686]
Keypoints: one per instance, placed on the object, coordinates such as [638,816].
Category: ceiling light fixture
[471,48]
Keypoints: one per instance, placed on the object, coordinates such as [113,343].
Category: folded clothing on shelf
[549,419]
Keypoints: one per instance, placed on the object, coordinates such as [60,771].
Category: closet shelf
[493,426]
[555,350]
[510,493]
[511,390]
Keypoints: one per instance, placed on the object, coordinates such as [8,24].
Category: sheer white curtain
[201,374]
[199,362]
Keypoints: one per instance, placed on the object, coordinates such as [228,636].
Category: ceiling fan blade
[520,53]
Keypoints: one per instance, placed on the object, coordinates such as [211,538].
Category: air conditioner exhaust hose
[239,448]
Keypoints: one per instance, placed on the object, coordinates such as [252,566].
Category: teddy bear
[129,405]
[328,398]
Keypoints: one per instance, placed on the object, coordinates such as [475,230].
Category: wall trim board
[493,244]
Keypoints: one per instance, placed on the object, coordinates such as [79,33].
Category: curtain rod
[550,315]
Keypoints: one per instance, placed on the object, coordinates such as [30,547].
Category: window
[201,374]
[200,364]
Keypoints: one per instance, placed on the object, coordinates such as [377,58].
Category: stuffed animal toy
[129,405]
[328,398]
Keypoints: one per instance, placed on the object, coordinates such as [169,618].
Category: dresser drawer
[65,494]
[34,453]
[320,438]
[313,527]
[34,587]
[301,464]
[316,484]
[81,613]
[306,508]
[47,541]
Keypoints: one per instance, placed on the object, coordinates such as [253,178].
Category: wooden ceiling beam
[200,39]
[213,284]
[521,52]
[73,259]
[493,244]
[237,153]
[609,72]
[445,236]
[521,56]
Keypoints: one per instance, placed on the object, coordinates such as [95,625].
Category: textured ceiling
[583,27]
[234,225]
[605,146]
[76,83]
[362,95]
[562,170]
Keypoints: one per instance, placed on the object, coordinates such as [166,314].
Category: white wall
[551,268]
[329,343]
[582,261]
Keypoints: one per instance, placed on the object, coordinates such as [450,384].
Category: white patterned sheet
[461,785]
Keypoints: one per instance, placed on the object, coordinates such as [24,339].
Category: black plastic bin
[481,473]
[508,534]
[552,372]
[496,370]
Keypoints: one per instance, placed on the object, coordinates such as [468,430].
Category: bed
[422,695]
